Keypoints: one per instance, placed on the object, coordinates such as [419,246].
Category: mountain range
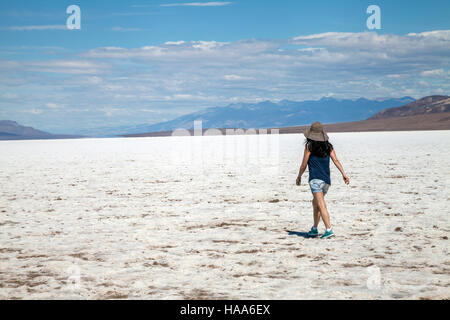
[428,113]
[269,114]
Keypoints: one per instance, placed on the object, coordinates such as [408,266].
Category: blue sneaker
[313,233]
[327,234]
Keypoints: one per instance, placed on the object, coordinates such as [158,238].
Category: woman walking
[317,154]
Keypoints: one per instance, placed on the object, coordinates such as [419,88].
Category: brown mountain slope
[427,105]
[433,121]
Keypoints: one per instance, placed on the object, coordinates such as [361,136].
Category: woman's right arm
[339,166]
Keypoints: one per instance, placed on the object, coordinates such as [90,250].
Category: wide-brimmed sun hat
[316,132]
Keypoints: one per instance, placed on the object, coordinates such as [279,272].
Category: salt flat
[221,218]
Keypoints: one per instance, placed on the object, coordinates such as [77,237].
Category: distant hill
[426,105]
[269,114]
[11,130]
[433,121]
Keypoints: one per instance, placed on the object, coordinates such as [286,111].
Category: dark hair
[319,148]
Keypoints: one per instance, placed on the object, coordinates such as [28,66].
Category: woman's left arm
[304,164]
[339,166]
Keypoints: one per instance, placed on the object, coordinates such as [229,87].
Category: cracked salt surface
[209,218]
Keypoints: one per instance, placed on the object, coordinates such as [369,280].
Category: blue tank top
[319,168]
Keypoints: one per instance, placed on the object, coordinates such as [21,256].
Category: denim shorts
[318,185]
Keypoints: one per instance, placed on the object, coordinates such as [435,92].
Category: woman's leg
[320,201]
[316,213]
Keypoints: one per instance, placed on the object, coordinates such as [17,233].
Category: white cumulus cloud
[433,73]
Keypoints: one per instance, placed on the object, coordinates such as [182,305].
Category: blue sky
[137,62]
